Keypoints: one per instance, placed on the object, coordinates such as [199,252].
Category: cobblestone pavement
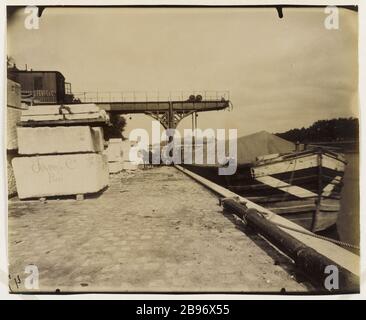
[155,230]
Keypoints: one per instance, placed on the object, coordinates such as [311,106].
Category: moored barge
[303,186]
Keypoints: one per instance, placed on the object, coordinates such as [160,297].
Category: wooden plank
[343,257]
[328,189]
[295,164]
[289,165]
[293,209]
[302,205]
[285,187]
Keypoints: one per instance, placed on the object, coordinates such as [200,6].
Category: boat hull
[303,187]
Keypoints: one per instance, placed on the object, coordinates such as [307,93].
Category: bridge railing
[152,96]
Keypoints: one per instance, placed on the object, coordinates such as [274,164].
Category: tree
[115,130]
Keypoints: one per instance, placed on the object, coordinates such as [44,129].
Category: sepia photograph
[182,149]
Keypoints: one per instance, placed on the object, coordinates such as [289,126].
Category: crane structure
[169,110]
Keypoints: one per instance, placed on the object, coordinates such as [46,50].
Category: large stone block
[54,175]
[13,113]
[126,147]
[54,140]
[128,165]
[115,167]
[12,189]
[114,150]
[13,116]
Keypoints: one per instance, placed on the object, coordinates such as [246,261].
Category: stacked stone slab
[128,164]
[59,160]
[59,139]
[118,153]
[13,113]
[115,155]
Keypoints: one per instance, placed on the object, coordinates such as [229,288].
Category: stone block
[55,175]
[55,140]
[114,150]
[47,117]
[13,116]
[115,167]
[126,147]
[129,165]
[100,115]
[12,189]
[13,113]
[58,109]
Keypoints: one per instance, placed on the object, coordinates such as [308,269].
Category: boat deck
[154,230]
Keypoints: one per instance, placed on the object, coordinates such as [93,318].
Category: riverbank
[155,230]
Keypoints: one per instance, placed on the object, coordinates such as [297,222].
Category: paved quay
[154,230]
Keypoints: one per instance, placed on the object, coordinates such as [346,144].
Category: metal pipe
[310,262]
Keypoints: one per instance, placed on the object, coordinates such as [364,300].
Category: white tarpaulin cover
[260,144]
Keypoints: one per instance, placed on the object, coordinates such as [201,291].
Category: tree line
[333,130]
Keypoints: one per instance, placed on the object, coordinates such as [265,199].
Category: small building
[42,87]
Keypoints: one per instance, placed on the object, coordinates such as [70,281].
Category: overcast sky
[281,73]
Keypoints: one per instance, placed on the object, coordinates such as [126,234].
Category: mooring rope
[269,217]
[341,243]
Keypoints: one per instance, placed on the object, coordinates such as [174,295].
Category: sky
[281,73]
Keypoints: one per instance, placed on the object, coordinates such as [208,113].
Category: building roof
[15,70]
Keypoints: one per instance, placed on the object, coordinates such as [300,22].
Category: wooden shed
[42,87]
